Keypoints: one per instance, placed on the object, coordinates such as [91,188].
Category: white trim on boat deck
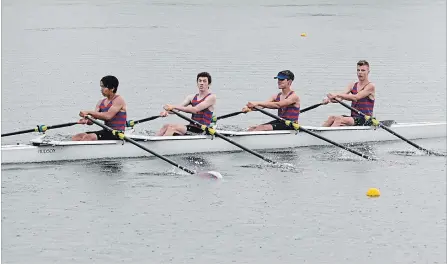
[44,150]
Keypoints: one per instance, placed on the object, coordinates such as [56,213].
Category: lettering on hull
[44,151]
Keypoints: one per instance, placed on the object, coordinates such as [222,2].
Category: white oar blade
[210,174]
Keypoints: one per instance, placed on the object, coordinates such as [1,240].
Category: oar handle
[39,128]
[122,136]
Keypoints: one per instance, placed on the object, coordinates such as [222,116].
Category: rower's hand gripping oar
[132,123]
[122,136]
[213,132]
[375,122]
[296,126]
[39,128]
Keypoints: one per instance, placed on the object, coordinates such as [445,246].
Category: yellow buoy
[373,192]
[303,35]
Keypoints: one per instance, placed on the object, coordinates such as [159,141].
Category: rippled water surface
[143,211]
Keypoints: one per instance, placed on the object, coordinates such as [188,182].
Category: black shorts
[279,125]
[194,129]
[104,135]
[360,121]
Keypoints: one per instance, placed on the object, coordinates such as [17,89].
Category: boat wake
[413,153]
[283,167]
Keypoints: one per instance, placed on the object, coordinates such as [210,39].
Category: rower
[361,93]
[200,105]
[287,102]
[112,109]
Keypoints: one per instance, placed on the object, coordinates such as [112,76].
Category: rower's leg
[343,121]
[162,131]
[265,127]
[78,137]
[85,137]
[175,129]
[329,121]
[90,137]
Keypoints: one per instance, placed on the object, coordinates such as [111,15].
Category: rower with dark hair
[112,109]
[362,94]
[200,105]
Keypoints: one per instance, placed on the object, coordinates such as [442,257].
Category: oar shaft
[242,147]
[241,112]
[160,156]
[310,107]
[391,131]
[146,119]
[141,146]
[410,142]
[39,128]
[349,107]
[335,143]
[229,115]
[224,137]
[316,135]
[18,132]
[131,123]
[62,125]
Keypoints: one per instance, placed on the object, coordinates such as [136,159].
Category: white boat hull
[46,151]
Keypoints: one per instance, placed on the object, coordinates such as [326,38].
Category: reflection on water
[107,167]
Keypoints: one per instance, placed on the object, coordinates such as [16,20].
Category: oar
[298,127]
[132,123]
[39,128]
[242,112]
[228,115]
[122,136]
[212,131]
[375,122]
[310,107]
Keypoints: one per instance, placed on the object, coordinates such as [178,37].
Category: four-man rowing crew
[360,126]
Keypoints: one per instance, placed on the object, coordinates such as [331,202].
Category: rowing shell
[41,150]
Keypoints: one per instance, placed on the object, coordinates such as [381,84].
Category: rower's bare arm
[208,102]
[187,100]
[365,92]
[330,96]
[348,88]
[293,99]
[250,105]
[84,121]
[118,105]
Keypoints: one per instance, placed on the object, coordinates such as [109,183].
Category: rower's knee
[78,137]
[339,121]
[84,137]
[261,128]
[332,118]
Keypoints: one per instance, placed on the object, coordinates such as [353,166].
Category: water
[144,211]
